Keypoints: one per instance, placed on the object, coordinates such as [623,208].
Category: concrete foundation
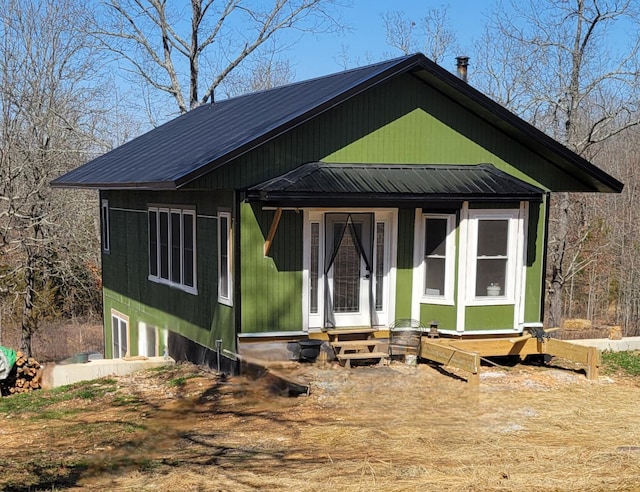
[61,375]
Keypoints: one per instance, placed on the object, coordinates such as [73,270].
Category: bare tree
[189,55]
[557,64]
[264,73]
[47,126]
[430,35]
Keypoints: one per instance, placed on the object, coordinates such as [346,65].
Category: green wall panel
[198,317]
[271,285]
[445,316]
[536,251]
[404,266]
[488,318]
[401,121]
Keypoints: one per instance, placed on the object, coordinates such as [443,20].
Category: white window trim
[158,278]
[142,339]
[514,258]
[106,230]
[419,296]
[227,300]
[382,316]
[121,318]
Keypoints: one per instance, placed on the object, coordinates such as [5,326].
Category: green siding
[127,288]
[401,121]
[479,318]
[271,285]
[536,252]
[404,267]
[445,316]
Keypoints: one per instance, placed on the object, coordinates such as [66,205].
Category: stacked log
[25,376]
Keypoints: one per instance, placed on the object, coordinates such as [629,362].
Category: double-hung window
[225,275]
[493,261]
[172,247]
[436,258]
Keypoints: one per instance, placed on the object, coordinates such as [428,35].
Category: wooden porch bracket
[272,231]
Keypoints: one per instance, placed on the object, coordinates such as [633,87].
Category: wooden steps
[379,357]
[356,344]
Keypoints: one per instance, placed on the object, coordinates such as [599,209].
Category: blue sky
[316,56]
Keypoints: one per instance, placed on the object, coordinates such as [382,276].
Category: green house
[390,191]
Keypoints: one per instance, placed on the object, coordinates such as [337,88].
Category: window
[314,286]
[105,232]
[225,283]
[119,334]
[148,340]
[172,239]
[493,247]
[436,258]
[380,268]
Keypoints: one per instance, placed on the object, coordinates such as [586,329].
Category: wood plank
[359,333]
[590,356]
[492,347]
[362,355]
[567,350]
[452,356]
[351,331]
[356,345]
[272,231]
[346,359]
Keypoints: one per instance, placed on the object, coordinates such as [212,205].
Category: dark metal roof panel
[321,181]
[195,142]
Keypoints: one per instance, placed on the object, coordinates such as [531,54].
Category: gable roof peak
[205,138]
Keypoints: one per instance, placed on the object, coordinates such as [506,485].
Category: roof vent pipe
[462,62]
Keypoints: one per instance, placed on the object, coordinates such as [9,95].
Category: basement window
[119,334]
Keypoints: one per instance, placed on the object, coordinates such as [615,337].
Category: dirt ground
[396,428]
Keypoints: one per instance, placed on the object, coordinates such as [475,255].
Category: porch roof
[318,184]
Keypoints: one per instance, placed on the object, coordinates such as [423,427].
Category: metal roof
[337,184]
[184,149]
[206,137]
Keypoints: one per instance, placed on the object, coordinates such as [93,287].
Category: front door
[349,268]
[349,271]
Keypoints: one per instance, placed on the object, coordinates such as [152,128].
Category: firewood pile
[25,376]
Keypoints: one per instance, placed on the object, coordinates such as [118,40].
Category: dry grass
[399,428]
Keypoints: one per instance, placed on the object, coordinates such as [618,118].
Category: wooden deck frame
[458,352]
[449,355]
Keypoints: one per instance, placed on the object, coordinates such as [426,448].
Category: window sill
[226,302]
[183,288]
[491,301]
[442,301]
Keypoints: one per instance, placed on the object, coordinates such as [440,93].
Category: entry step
[346,359]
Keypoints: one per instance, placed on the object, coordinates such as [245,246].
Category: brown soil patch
[397,428]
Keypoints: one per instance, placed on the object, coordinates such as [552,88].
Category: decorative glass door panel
[346,271]
[349,277]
